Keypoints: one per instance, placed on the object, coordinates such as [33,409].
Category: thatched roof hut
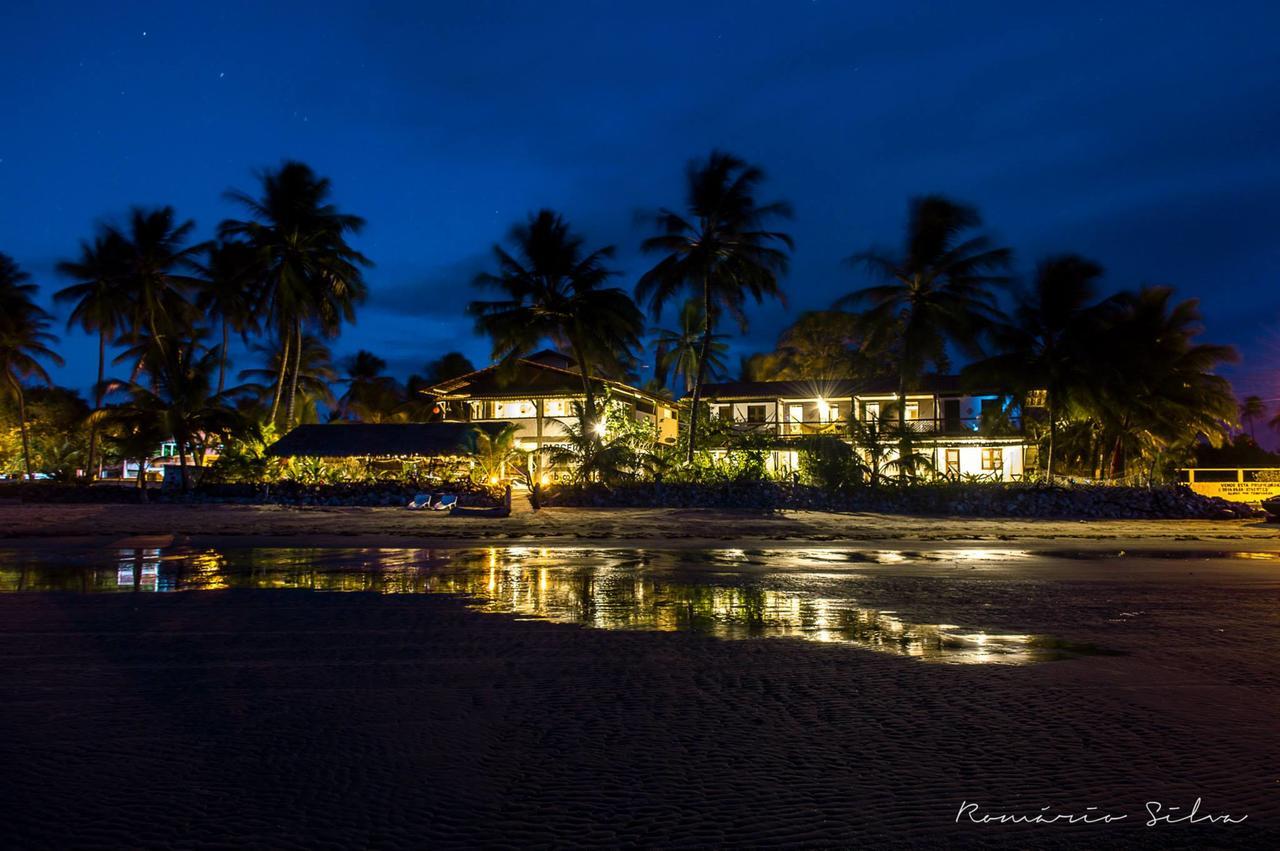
[382,440]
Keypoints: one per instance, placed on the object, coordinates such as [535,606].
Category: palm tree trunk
[903,444]
[142,479]
[22,422]
[182,460]
[700,372]
[284,360]
[222,360]
[97,406]
[1053,433]
[293,379]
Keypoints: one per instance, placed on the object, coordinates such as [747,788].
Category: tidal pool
[809,594]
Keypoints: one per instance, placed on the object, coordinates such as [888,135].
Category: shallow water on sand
[811,594]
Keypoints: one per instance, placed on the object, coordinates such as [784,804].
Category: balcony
[993,426]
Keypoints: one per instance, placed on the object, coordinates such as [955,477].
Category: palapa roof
[366,440]
[538,376]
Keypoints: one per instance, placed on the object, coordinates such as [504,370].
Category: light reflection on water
[728,594]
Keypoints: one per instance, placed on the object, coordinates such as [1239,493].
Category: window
[508,410]
[833,413]
[953,462]
[993,459]
[871,411]
[757,413]
[722,412]
[913,410]
[555,408]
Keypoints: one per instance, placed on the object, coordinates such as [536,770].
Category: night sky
[1144,136]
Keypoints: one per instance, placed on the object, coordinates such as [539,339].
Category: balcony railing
[956,426]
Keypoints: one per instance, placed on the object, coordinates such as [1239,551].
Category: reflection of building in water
[728,594]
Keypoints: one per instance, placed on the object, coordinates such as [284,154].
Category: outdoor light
[493,480]
[598,429]
[544,480]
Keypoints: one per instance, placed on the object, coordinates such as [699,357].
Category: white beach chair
[420,502]
[444,502]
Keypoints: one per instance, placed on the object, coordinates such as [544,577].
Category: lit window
[913,410]
[993,459]
[953,462]
[871,411]
[833,413]
[556,408]
[508,410]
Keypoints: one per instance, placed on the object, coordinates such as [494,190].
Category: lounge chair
[420,502]
[444,502]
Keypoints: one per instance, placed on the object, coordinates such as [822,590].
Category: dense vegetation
[1125,389]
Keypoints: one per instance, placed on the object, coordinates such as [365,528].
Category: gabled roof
[830,388]
[374,440]
[524,378]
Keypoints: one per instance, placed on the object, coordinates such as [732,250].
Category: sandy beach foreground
[292,719]
[268,525]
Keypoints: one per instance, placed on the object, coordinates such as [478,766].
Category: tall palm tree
[313,372]
[159,270]
[555,289]
[718,250]
[1046,344]
[680,347]
[1251,409]
[24,341]
[227,295]
[937,291]
[100,304]
[307,276]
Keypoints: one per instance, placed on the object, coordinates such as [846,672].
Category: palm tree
[306,274]
[227,294]
[158,271]
[179,403]
[313,373]
[554,289]
[1046,344]
[371,396]
[819,345]
[494,453]
[937,291]
[24,341]
[679,348]
[100,305]
[1251,409]
[719,250]
[1151,386]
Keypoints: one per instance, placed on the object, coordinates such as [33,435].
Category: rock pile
[969,500]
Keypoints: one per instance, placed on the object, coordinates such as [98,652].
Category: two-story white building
[538,394]
[961,432]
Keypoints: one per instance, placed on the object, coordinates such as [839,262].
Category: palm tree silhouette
[227,295]
[719,250]
[159,270]
[1151,385]
[680,348]
[554,289]
[306,274]
[1251,409]
[314,372]
[100,305]
[371,396]
[937,291]
[24,341]
[1045,345]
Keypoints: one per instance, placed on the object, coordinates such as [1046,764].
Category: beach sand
[290,719]
[266,525]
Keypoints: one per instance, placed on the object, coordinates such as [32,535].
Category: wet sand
[295,719]
[332,526]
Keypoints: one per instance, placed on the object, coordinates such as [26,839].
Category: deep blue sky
[1143,135]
